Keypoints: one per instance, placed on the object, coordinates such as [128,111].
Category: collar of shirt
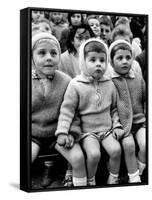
[130,74]
[37,76]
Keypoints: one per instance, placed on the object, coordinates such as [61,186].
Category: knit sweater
[131,91]
[95,102]
[47,96]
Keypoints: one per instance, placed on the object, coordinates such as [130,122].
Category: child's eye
[128,57]
[92,59]
[53,53]
[102,60]
[42,52]
[119,58]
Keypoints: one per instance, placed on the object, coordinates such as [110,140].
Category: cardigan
[47,96]
[131,92]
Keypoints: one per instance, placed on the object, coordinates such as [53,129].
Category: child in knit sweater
[94,97]
[131,89]
[48,88]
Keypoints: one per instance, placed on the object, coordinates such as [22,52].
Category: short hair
[117,47]
[94,46]
[121,30]
[73,30]
[106,21]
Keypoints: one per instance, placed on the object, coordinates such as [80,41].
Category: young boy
[93,96]
[131,90]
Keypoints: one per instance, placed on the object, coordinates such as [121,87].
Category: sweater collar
[38,77]
[89,79]
[130,75]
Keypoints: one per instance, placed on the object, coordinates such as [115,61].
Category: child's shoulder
[62,76]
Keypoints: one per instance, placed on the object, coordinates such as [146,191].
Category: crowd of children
[88,91]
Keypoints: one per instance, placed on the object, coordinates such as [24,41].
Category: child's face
[81,35]
[41,27]
[37,15]
[57,16]
[122,61]
[95,26]
[46,58]
[76,19]
[105,32]
[96,64]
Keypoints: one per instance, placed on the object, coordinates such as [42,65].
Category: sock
[113,178]
[91,181]
[79,181]
[68,172]
[134,177]
[141,166]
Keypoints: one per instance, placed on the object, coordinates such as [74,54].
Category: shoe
[68,181]
[112,180]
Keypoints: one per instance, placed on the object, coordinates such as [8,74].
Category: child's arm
[67,111]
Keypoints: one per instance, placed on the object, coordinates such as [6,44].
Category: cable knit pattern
[131,100]
[47,96]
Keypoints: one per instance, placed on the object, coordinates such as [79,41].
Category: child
[69,59]
[48,88]
[94,23]
[122,32]
[43,25]
[93,96]
[131,90]
[37,15]
[106,29]
[58,23]
[74,19]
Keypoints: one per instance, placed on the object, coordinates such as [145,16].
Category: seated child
[94,97]
[48,88]
[131,89]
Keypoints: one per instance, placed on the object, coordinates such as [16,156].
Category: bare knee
[129,148]
[115,152]
[93,156]
[78,161]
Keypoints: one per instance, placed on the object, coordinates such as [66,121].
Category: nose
[48,57]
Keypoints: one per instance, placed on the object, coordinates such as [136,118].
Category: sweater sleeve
[68,109]
[114,111]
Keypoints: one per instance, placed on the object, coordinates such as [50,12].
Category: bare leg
[141,140]
[130,157]
[92,148]
[113,148]
[76,158]
[35,151]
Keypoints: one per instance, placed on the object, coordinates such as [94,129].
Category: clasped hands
[65,140]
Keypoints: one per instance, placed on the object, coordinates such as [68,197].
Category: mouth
[48,66]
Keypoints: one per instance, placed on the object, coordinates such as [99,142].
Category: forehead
[96,54]
[76,15]
[93,20]
[105,27]
[47,43]
[123,52]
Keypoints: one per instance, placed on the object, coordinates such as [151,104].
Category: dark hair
[119,46]
[72,33]
[106,21]
[121,30]
[71,14]
[94,46]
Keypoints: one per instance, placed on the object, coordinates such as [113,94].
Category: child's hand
[71,141]
[118,133]
[62,139]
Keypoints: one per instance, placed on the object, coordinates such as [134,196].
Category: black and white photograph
[83,99]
